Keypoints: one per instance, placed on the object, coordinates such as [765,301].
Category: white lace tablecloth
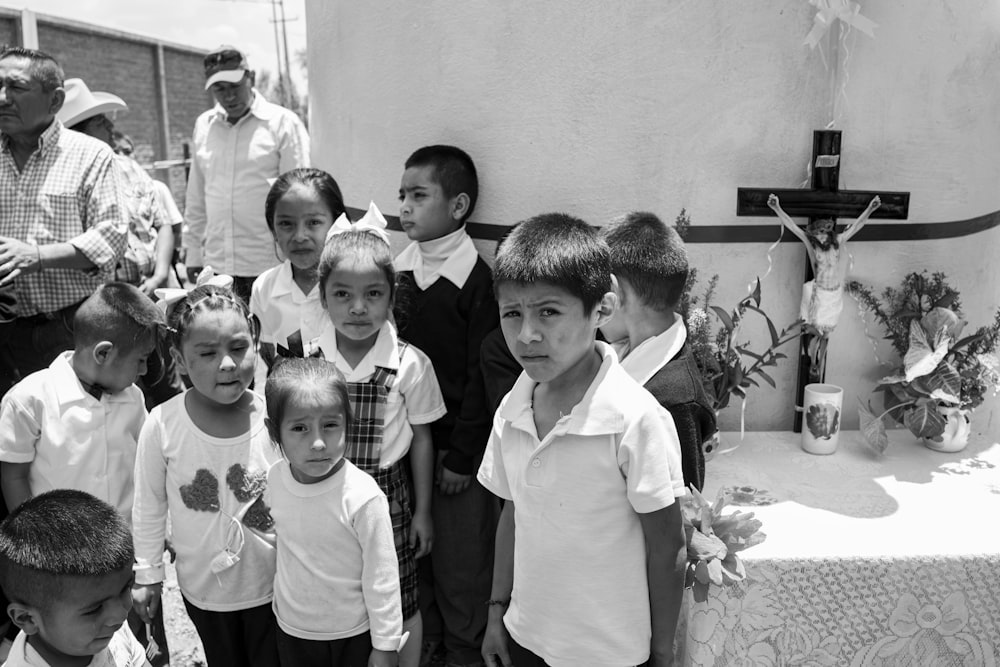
[868,561]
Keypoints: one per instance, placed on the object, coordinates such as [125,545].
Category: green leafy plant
[728,367]
[713,541]
[943,374]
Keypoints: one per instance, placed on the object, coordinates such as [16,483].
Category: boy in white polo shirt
[589,465]
[74,425]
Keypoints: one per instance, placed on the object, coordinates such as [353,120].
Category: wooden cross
[824,200]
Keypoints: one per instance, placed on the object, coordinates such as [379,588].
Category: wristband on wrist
[499,603]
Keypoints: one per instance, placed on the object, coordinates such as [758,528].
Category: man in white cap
[240,147]
[62,216]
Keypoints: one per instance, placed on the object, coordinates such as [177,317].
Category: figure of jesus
[823,297]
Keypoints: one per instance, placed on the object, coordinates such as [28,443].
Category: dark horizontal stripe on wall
[899,231]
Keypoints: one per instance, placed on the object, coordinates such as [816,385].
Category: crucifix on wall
[822,298]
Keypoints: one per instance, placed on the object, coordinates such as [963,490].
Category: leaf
[873,429]
[756,291]
[750,353]
[724,316]
[944,383]
[923,420]
[920,358]
[770,325]
[940,322]
[967,341]
[767,377]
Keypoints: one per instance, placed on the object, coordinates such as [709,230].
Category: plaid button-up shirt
[69,191]
[146,217]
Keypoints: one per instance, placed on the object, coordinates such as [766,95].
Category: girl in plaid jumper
[394,394]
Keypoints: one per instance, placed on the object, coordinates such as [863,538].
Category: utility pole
[282,83]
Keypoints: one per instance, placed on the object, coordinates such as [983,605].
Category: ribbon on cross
[846,11]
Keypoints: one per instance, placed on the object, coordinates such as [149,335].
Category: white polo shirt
[123,651]
[71,439]
[284,311]
[580,593]
[415,397]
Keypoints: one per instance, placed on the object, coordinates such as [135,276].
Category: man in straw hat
[62,215]
[148,257]
[146,263]
[240,147]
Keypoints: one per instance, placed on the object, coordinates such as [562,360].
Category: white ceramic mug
[821,417]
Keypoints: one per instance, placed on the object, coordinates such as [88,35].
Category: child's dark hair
[454,171]
[649,255]
[558,249]
[290,375]
[321,182]
[207,298]
[58,534]
[355,245]
[119,313]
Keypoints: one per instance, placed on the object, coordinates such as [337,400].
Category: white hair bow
[372,222]
[169,296]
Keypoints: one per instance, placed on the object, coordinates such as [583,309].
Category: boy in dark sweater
[650,263]
[447,294]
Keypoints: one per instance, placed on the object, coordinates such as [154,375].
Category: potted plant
[728,367]
[943,376]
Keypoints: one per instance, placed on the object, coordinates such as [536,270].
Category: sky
[200,23]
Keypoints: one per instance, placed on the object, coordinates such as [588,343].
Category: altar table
[868,561]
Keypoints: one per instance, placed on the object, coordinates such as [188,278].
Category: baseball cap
[226,64]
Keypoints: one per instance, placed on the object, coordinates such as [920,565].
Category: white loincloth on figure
[821,306]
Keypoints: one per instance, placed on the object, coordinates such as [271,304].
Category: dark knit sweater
[677,387]
[449,325]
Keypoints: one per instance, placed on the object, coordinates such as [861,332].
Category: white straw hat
[81,103]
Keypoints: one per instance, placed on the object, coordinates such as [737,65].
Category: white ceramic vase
[956,431]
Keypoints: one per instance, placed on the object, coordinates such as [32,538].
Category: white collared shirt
[123,651]
[284,311]
[415,397]
[71,439]
[452,257]
[232,171]
[577,494]
[652,354]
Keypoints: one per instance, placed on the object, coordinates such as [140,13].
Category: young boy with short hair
[76,423]
[650,263]
[66,566]
[449,308]
[590,468]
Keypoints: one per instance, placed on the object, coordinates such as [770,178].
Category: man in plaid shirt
[63,219]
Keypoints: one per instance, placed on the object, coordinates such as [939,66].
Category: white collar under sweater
[452,257]
[652,354]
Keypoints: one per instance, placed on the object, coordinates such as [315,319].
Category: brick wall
[8,30]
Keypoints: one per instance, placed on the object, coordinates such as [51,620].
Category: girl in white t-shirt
[393,392]
[300,210]
[336,591]
[202,459]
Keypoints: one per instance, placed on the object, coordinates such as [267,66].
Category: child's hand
[421,534]
[383,658]
[451,483]
[772,200]
[495,644]
[146,600]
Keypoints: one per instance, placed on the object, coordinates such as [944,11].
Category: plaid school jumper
[364,449]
